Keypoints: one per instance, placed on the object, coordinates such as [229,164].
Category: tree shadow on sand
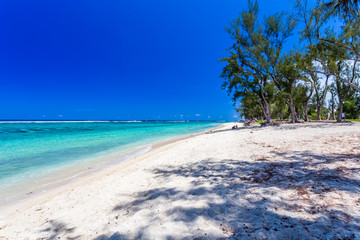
[312,124]
[57,230]
[298,197]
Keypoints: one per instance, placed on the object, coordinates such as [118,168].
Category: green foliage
[313,115]
[326,46]
[290,75]
[266,82]
[250,72]
[300,94]
[260,121]
[279,108]
[249,108]
[345,9]
[352,107]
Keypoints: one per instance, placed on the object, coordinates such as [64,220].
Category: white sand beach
[293,181]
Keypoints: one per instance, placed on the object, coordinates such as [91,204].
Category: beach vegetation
[304,92]
[279,108]
[351,107]
[332,100]
[251,67]
[344,91]
[320,92]
[317,80]
[260,121]
[287,83]
[250,108]
[326,42]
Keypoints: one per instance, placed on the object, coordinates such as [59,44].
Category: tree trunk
[293,114]
[332,104]
[306,119]
[268,118]
[318,109]
[267,112]
[339,117]
[290,103]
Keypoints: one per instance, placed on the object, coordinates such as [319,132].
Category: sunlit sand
[293,181]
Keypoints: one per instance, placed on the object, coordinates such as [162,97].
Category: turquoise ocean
[36,155]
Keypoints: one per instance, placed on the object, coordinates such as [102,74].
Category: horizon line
[104,120]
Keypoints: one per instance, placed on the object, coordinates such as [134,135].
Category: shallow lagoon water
[36,153]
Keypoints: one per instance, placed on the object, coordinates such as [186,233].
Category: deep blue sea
[33,154]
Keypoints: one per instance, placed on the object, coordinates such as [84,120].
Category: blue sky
[117,59]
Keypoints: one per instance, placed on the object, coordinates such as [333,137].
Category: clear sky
[116,59]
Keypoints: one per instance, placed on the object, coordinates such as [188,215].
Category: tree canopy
[269,82]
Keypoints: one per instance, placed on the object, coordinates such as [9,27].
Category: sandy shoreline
[67,175]
[298,181]
[124,156]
